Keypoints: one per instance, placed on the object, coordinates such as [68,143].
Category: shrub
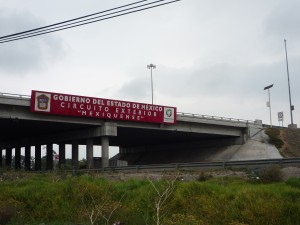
[273,134]
[271,174]
[203,177]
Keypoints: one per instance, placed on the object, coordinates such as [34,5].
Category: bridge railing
[14,95]
[191,115]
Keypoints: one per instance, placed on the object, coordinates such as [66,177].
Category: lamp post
[151,67]
[287,70]
[269,103]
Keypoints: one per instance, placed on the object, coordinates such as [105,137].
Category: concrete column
[38,160]
[18,158]
[27,157]
[62,154]
[89,153]
[75,162]
[8,157]
[49,156]
[1,164]
[105,149]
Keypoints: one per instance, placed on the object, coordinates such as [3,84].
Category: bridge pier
[18,158]
[89,153]
[38,160]
[105,151]
[27,157]
[108,129]
[1,159]
[75,162]
[8,157]
[62,154]
[49,157]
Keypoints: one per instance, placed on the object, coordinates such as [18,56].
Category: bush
[274,139]
[271,174]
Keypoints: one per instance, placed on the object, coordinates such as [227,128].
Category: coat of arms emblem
[43,102]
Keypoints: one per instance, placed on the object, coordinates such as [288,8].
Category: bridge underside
[21,128]
[24,132]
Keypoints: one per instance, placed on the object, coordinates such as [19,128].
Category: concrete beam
[23,113]
[67,136]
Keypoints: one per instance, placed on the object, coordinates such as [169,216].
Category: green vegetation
[275,139]
[61,199]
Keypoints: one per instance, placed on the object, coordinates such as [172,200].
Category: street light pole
[151,66]
[269,105]
[287,69]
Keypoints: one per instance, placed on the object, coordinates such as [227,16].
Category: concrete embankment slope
[257,147]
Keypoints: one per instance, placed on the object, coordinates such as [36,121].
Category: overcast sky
[213,57]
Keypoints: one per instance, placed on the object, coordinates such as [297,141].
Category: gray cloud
[284,20]
[23,56]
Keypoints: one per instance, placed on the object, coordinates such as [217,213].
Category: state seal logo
[42,102]
[169,115]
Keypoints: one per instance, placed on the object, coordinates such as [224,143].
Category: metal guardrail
[14,95]
[190,115]
[284,162]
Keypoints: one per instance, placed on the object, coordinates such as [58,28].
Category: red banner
[73,105]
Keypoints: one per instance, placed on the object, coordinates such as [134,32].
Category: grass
[65,200]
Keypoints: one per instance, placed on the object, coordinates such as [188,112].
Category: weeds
[73,200]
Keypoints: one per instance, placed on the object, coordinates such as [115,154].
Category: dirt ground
[291,139]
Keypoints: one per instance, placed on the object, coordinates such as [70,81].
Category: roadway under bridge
[138,142]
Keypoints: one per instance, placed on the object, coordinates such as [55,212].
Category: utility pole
[151,66]
[290,98]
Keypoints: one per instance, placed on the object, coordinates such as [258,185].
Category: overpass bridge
[20,128]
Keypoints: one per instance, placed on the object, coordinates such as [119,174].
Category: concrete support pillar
[8,157]
[27,157]
[105,149]
[89,153]
[38,160]
[49,156]
[62,155]
[18,158]
[75,162]
[1,163]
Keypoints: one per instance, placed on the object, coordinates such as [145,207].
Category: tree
[163,192]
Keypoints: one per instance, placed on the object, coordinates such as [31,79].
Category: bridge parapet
[218,118]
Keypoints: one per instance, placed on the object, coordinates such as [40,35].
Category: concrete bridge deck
[22,128]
